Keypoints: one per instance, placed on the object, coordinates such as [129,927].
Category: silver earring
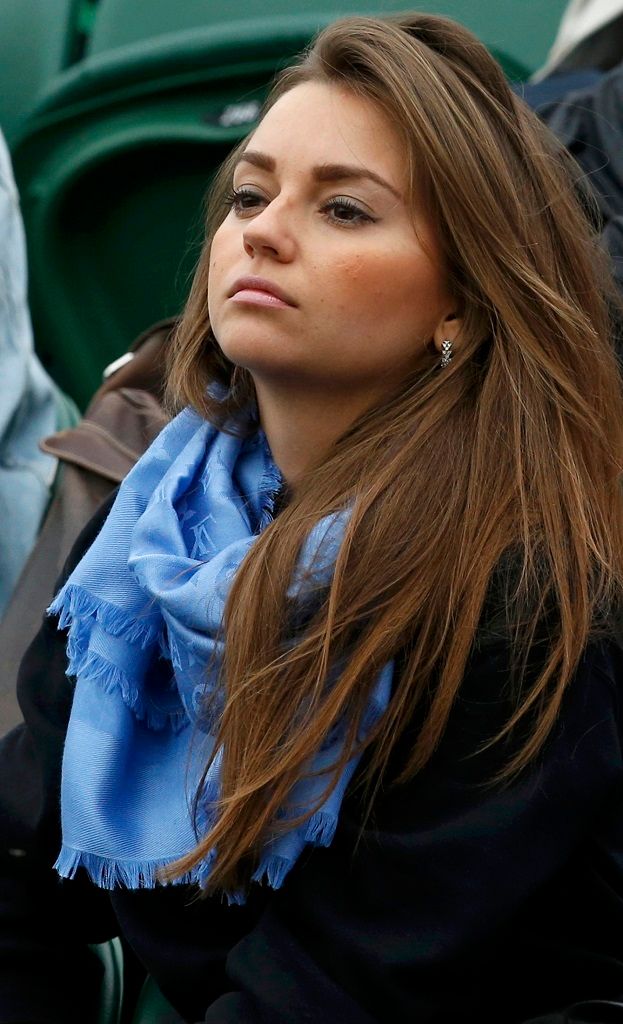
[446,353]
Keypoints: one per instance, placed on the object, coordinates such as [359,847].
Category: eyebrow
[322,172]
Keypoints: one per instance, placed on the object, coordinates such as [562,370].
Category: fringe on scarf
[74,607]
[118,874]
[73,603]
[321,828]
[271,483]
[129,874]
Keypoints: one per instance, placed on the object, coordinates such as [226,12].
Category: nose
[269,234]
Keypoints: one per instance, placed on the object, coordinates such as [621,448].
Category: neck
[301,426]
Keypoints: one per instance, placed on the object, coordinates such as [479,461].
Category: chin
[258,355]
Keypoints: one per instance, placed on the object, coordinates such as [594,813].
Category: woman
[358,602]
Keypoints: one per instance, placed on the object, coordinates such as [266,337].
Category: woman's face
[320,214]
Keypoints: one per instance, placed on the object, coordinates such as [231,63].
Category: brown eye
[344,211]
[243,200]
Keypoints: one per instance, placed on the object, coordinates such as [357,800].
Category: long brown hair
[510,457]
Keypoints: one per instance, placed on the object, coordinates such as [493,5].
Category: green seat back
[111,999]
[153,1008]
[122,22]
[521,33]
[37,41]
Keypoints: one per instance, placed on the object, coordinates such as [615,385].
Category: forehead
[318,123]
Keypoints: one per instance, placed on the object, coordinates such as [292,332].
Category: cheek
[351,286]
[218,250]
[219,263]
[388,283]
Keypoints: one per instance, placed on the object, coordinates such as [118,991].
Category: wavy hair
[510,458]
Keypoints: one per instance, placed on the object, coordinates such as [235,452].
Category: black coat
[459,902]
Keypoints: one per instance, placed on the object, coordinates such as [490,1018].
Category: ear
[449,327]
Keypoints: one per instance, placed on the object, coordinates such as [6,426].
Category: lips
[260,286]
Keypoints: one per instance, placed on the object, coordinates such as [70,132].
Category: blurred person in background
[30,403]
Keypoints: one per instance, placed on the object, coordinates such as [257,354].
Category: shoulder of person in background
[121,421]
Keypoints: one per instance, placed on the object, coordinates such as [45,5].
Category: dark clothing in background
[589,121]
[458,902]
[602,48]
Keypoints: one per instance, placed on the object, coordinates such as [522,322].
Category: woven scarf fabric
[144,609]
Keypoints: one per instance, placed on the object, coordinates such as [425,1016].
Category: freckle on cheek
[353,270]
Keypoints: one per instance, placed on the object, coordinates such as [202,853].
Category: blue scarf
[144,609]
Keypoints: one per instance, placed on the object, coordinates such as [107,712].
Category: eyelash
[235,199]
